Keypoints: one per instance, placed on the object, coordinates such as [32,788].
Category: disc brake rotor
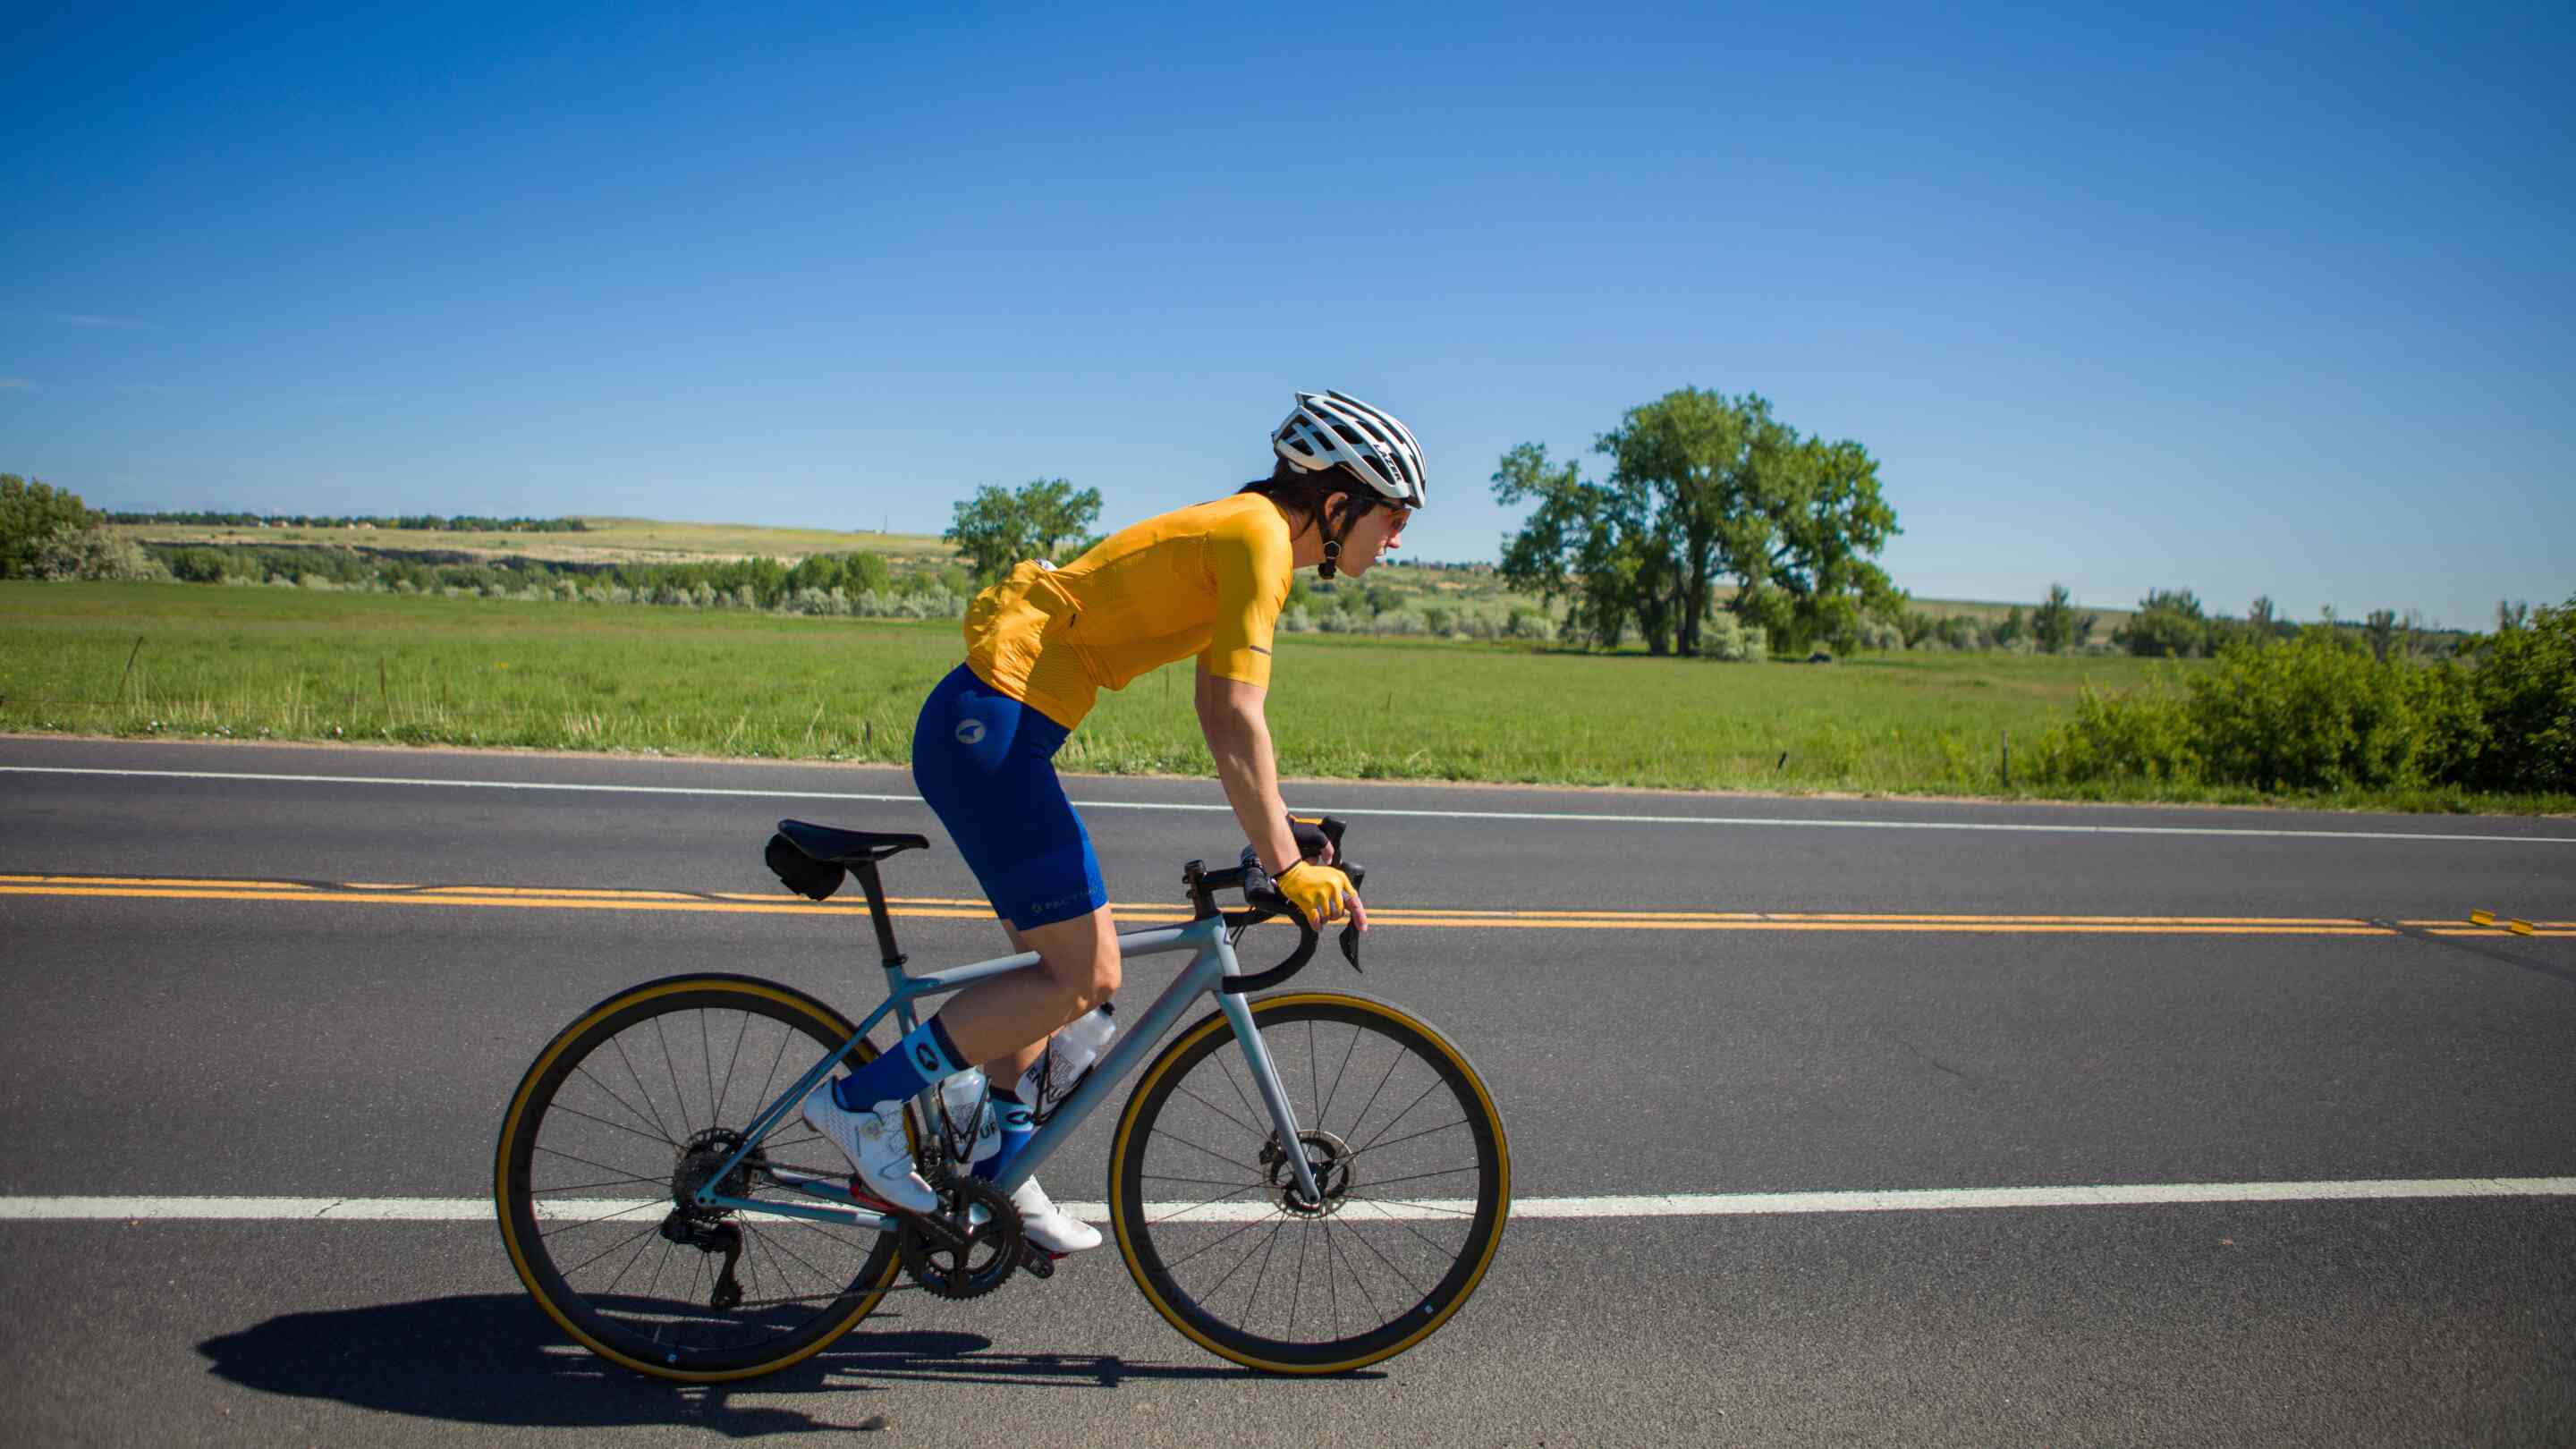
[1328,1157]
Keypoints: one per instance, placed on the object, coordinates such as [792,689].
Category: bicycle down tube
[1214,959]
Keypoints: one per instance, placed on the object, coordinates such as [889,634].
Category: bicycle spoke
[1418,1293]
[611,1248]
[1400,1116]
[584,1161]
[673,1068]
[615,1126]
[775,1059]
[1374,1095]
[1408,1227]
[1375,1145]
[1417,1176]
[1356,1280]
[707,1060]
[612,1182]
[1193,1181]
[1174,1264]
[619,1042]
[658,1134]
[1269,1247]
[1194,1207]
[1227,1066]
[1219,1156]
[1325,1112]
[595,1222]
[1418,1206]
[1296,1285]
[1314,1071]
[641,1243]
[1220,1111]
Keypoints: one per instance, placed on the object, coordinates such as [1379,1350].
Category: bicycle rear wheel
[614,1125]
[1406,1146]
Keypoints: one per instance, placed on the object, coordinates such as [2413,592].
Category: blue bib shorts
[986,764]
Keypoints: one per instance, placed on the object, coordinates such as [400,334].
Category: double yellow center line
[938,908]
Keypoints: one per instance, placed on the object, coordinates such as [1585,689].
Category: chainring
[992,1248]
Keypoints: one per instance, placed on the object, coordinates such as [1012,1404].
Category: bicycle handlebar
[1263,896]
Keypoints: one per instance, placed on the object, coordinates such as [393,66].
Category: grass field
[197,661]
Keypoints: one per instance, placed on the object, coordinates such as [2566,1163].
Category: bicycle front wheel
[619,1120]
[1406,1149]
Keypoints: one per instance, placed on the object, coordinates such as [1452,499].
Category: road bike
[1305,1182]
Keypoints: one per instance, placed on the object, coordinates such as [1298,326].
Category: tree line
[430,522]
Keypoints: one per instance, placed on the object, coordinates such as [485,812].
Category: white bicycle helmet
[1331,427]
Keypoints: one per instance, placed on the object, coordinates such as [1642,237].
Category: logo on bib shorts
[971,732]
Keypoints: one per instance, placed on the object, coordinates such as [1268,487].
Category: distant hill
[603,539]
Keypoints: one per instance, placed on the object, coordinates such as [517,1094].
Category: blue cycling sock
[921,1058]
[1018,1126]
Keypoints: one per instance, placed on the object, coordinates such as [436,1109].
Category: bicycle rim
[593,1159]
[1417,1178]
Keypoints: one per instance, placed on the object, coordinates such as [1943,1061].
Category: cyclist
[1207,580]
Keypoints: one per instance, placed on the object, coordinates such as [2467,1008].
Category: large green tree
[31,516]
[1703,489]
[1045,519]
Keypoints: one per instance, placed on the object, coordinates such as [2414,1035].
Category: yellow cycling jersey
[1208,580]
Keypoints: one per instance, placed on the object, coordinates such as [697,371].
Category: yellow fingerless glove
[1319,892]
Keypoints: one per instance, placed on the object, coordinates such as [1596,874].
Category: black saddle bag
[802,873]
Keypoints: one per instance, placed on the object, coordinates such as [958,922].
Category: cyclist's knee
[1083,965]
[1087,978]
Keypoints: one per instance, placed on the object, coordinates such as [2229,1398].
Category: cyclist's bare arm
[1238,735]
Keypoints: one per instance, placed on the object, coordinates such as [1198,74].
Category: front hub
[1328,1157]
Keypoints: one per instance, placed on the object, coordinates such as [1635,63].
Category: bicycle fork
[1283,1117]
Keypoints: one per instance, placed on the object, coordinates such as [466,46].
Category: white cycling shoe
[877,1146]
[1049,1226]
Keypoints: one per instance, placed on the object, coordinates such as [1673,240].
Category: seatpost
[866,871]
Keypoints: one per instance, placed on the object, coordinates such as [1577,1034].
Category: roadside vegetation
[646,636]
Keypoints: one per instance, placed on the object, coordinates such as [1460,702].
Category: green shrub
[2524,683]
[32,516]
[2168,625]
[1724,636]
[94,553]
[2318,713]
[2144,734]
[2322,712]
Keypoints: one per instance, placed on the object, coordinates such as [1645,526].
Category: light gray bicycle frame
[1212,960]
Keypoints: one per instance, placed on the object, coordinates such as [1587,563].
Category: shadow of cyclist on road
[494,1359]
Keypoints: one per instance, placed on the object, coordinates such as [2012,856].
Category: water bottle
[1052,1077]
[964,1097]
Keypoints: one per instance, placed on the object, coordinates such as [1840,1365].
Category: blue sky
[2273,301]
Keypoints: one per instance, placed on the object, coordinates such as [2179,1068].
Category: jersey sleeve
[1252,569]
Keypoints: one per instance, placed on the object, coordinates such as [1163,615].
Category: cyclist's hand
[1321,894]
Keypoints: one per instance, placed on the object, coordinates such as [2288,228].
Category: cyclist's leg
[1004,1023]
[985,764]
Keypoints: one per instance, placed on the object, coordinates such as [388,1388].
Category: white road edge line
[1659,1205]
[1577,817]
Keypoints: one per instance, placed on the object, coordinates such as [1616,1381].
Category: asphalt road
[259,1044]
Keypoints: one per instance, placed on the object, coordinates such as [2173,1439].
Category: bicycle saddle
[846,847]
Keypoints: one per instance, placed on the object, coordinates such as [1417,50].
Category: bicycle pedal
[1038,1261]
